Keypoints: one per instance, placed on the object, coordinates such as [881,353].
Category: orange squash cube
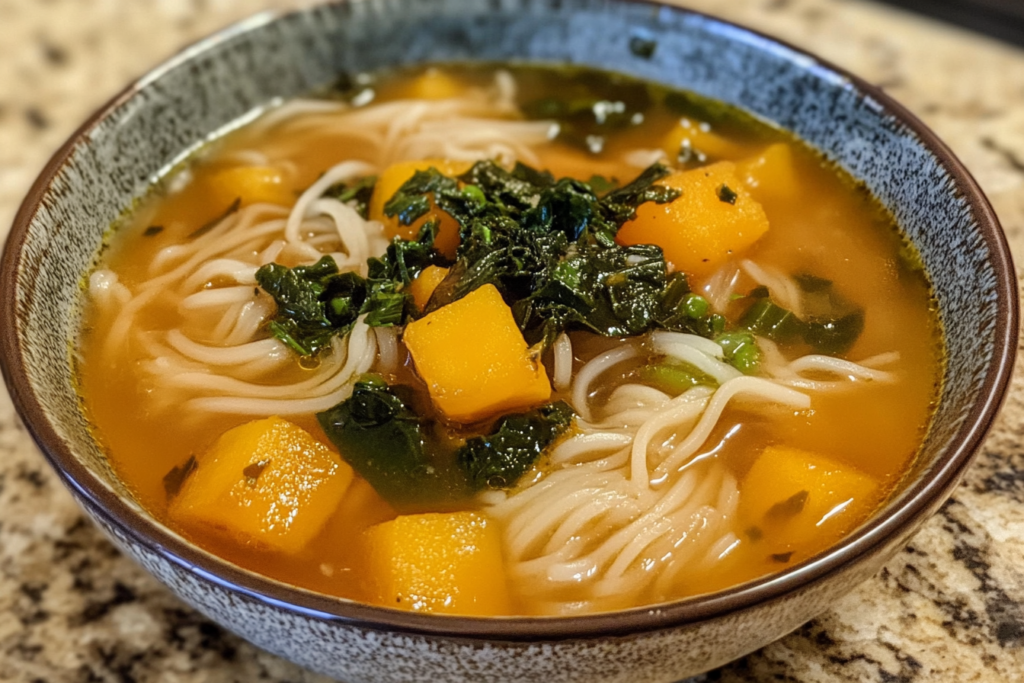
[251,184]
[474,359]
[425,283]
[770,174]
[446,563]
[713,219]
[392,179]
[435,84]
[266,483]
[802,501]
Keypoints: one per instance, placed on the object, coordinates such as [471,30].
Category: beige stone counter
[949,608]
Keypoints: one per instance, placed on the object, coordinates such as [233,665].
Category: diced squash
[474,359]
[266,483]
[446,563]
[697,138]
[425,284]
[251,184]
[714,218]
[771,173]
[435,84]
[389,182]
[795,500]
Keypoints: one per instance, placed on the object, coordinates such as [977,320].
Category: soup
[509,341]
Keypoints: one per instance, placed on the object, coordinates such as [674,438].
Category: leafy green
[548,246]
[386,443]
[622,203]
[831,324]
[601,185]
[315,303]
[499,459]
[767,319]
[791,507]
[411,200]
[179,474]
[611,291]
[357,193]
[727,194]
[405,460]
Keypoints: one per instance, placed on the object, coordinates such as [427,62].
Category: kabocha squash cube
[251,185]
[474,359]
[446,563]
[392,179]
[266,483]
[770,174]
[435,84]
[803,500]
[714,218]
[425,284]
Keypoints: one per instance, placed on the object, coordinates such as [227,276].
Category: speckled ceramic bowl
[114,157]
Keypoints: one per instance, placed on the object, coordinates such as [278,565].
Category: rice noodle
[623,512]
[562,375]
[219,359]
[825,373]
[624,507]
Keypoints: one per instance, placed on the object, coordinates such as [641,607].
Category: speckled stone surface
[949,608]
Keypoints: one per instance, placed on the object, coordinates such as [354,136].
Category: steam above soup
[513,341]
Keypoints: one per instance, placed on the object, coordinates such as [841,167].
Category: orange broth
[832,227]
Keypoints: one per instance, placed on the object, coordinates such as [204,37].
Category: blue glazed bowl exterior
[150,127]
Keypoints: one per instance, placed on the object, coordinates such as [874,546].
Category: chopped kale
[601,185]
[179,474]
[623,202]
[356,194]
[498,460]
[766,319]
[313,302]
[380,436]
[548,246]
[399,453]
[831,324]
[727,194]
[316,303]
[611,291]
[412,201]
[791,507]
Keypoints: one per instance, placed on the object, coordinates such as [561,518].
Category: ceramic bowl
[156,121]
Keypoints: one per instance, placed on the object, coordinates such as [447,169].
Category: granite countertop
[948,608]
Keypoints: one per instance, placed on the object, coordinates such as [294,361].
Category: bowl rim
[910,507]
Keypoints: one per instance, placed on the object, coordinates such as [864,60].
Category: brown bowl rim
[914,504]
